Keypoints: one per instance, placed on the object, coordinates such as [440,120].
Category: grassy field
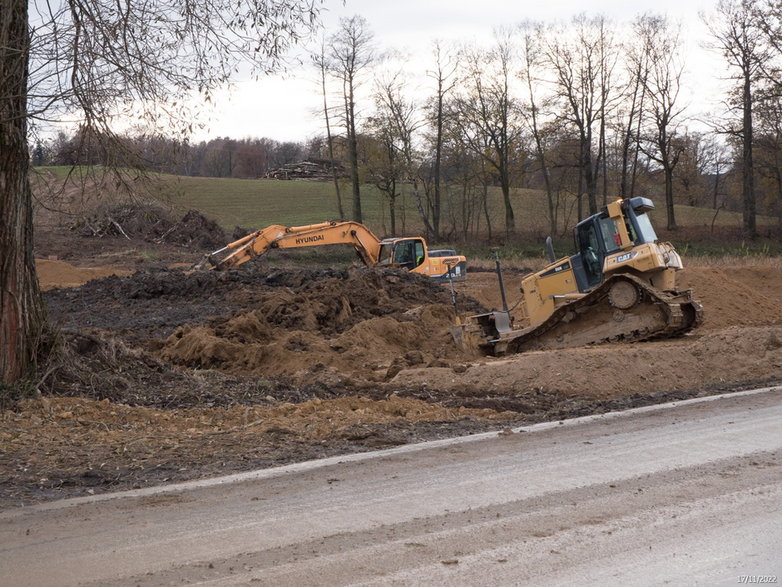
[259,203]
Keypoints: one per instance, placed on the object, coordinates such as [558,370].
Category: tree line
[583,110]
[248,158]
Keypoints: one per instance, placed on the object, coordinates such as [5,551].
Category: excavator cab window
[409,253]
[646,233]
[386,254]
[420,254]
[640,226]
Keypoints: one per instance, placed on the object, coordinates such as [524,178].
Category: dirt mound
[152,222]
[736,296]
[294,323]
[257,343]
[712,359]
[152,304]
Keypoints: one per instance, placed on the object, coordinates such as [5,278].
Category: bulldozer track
[655,315]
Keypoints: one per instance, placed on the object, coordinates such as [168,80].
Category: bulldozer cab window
[646,232]
[611,240]
[591,251]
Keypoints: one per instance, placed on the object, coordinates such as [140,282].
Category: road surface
[689,493]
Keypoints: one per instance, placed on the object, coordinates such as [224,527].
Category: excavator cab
[412,254]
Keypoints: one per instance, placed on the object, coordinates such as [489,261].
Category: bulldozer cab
[408,252]
[619,226]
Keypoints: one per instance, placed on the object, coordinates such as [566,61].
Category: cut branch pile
[318,170]
[153,223]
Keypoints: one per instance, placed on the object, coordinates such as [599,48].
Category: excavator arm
[366,244]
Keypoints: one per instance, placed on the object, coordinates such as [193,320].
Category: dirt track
[167,376]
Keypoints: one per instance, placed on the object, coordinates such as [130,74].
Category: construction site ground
[158,375]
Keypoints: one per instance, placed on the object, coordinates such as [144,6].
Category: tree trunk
[510,220]
[350,112]
[668,171]
[748,167]
[21,306]
[330,140]
[438,158]
[485,202]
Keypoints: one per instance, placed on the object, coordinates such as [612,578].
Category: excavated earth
[157,375]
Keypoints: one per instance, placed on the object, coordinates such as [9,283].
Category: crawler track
[594,319]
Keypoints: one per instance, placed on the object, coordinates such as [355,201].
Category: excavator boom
[276,236]
[410,252]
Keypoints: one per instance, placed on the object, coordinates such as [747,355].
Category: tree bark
[353,154]
[669,209]
[22,315]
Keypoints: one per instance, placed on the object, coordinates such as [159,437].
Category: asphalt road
[685,494]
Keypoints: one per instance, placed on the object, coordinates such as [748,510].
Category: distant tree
[321,61]
[251,160]
[97,61]
[582,58]
[393,126]
[662,84]
[533,108]
[738,35]
[352,51]
[488,113]
[444,75]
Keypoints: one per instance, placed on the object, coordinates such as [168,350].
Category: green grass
[266,201]
[259,203]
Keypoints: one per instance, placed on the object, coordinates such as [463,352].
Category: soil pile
[295,323]
[736,296]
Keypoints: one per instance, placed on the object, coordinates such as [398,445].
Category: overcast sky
[288,107]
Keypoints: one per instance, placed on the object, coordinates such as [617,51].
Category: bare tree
[488,114]
[400,115]
[94,61]
[581,58]
[738,35]
[352,51]
[531,60]
[634,106]
[769,16]
[444,76]
[662,85]
[321,62]
[390,157]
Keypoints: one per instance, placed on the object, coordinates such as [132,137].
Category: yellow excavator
[620,285]
[408,253]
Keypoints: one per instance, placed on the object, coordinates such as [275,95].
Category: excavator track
[623,308]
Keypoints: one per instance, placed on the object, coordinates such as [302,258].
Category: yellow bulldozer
[620,285]
[408,253]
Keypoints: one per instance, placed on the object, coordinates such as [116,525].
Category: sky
[288,107]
